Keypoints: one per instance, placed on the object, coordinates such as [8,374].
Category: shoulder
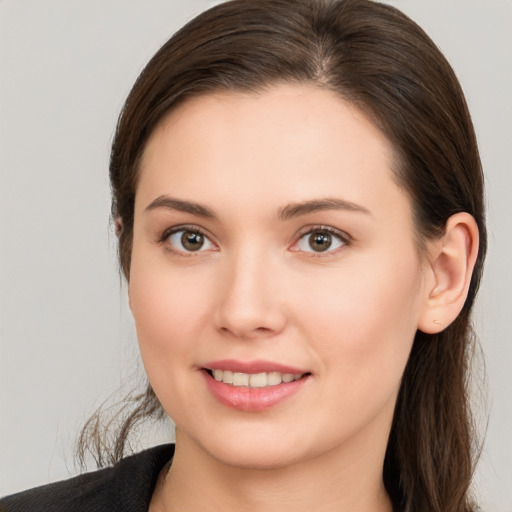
[127,486]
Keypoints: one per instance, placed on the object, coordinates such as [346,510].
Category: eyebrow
[297,209]
[171,203]
[288,212]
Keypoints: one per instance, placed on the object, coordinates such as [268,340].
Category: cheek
[363,320]
[168,308]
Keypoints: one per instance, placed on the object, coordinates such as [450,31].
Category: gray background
[66,337]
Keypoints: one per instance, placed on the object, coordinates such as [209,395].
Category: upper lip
[256,366]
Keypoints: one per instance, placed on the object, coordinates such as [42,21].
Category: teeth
[254,380]
[240,379]
[258,380]
[274,378]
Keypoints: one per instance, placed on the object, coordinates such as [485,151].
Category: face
[275,282]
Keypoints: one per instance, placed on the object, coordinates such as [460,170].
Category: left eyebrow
[315,205]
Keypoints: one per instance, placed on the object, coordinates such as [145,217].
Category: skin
[257,290]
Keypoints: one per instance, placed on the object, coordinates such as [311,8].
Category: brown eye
[192,241]
[320,240]
[189,240]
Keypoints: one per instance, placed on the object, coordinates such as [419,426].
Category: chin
[256,448]
[253,457]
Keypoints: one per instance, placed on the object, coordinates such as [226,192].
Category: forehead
[287,143]
[300,112]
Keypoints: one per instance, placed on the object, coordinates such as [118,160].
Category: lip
[256,366]
[252,399]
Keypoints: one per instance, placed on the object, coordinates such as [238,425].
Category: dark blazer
[125,487]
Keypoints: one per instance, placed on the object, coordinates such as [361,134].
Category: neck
[333,481]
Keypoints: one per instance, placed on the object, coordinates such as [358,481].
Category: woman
[298,199]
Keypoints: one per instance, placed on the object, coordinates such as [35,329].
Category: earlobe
[452,260]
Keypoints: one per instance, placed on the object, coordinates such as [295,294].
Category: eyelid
[307,230]
[164,237]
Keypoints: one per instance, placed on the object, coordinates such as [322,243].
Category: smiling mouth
[254,380]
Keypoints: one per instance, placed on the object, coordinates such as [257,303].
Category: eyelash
[178,229]
[342,237]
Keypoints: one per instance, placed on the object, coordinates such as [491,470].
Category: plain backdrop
[66,335]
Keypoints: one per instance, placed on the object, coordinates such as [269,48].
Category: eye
[321,240]
[189,240]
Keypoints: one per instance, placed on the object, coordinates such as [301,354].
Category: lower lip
[252,399]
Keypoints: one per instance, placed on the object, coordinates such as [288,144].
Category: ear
[451,262]
[118,226]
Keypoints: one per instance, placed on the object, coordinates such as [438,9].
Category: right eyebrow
[180,205]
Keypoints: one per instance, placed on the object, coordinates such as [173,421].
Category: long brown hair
[375,57]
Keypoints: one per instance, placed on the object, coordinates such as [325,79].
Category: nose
[251,303]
